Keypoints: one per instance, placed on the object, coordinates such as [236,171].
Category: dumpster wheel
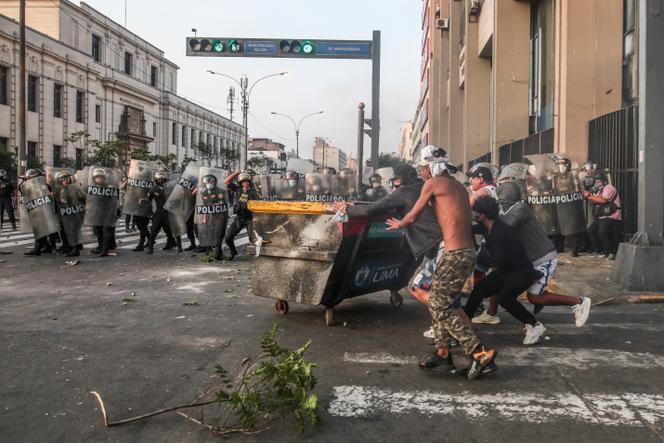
[282,307]
[396,299]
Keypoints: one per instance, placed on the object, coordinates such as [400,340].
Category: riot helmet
[245,180]
[160,177]
[329,171]
[62,177]
[3,174]
[33,173]
[209,181]
[251,172]
[375,180]
[564,165]
[589,166]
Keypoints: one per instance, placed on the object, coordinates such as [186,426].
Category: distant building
[406,143]
[326,156]
[352,163]
[87,73]
[266,148]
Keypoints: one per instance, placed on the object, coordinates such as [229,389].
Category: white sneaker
[486,318]
[581,312]
[533,333]
[429,333]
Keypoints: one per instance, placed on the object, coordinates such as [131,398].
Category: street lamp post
[245,94]
[297,126]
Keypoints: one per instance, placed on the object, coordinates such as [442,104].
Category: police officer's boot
[218,254]
[192,244]
[141,244]
[178,242]
[35,251]
[149,249]
[170,244]
[73,252]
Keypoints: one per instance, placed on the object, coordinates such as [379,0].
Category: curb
[646,298]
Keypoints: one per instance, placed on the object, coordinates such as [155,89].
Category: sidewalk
[589,277]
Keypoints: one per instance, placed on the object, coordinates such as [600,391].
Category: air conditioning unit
[443,23]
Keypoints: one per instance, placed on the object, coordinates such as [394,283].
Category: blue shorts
[547,269]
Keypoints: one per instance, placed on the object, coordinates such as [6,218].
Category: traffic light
[305,47]
[215,45]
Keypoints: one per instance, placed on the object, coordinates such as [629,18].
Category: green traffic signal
[307,47]
[218,46]
[234,45]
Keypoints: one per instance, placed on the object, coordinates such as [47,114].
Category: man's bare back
[452,207]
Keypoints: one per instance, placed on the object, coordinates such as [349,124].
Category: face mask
[375,185]
[209,186]
[292,183]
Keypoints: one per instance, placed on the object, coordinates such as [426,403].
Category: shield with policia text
[211,213]
[540,189]
[102,197]
[139,181]
[181,201]
[40,207]
[70,206]
[177,223]
[568,195]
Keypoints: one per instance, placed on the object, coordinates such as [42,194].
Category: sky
[334,86]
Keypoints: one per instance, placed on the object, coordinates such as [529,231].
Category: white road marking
[580,359]
[627,409]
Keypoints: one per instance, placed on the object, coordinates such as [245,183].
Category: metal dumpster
[308,258]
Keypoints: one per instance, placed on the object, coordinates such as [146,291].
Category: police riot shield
[264,185]
[569,196]
[177,223]
[102,197]
[513,171]
[320,187]
[25,226]
[40,207]
[211,206]
[181,201]
[289,188]
[70,206]
[539,187]
[139,182]
[347,184]
[387,174]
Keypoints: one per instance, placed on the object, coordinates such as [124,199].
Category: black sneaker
[435,361]
[477,366]
[491,367]
[73,253]
[191,247]
[33,252]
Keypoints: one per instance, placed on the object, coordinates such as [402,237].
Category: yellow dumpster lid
[289,207]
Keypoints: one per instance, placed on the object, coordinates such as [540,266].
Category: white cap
[431,154]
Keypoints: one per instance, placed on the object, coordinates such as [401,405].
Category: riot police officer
[44,244]
[377,190]
[243,193]
[211,214]
[160,216]
[7,189]
[70,205]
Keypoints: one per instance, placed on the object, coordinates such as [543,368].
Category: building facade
[504,78]
[327,156]
[265,148]
[88,73]
[406,145]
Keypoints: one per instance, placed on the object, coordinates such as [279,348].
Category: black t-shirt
[507,253]
[242,197]
[6,189]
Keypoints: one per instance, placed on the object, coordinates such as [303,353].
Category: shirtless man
[452,207]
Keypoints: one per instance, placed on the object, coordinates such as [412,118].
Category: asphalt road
[64,331]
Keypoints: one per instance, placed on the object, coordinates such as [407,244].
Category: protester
[452,209]
[511,270]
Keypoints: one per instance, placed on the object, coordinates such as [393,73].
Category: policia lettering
[103,192]
[39,201]
[212,209]
[144,184]
[72,210]
[186,184]
[554,199]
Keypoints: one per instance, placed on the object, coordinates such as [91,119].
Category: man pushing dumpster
[452,208]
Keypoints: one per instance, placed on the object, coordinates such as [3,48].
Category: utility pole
[244,83]
[375,100]
[360,145]
[231,100]
[22,162]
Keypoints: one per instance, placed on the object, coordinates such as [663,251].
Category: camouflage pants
[454,267]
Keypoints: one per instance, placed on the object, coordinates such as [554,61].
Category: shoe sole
[539,337]
[482,322]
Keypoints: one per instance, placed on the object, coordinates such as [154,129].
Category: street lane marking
[580,359]
[627,409]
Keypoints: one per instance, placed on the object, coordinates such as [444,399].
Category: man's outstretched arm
[416,211]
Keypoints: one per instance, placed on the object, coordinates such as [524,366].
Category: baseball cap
[483,172]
